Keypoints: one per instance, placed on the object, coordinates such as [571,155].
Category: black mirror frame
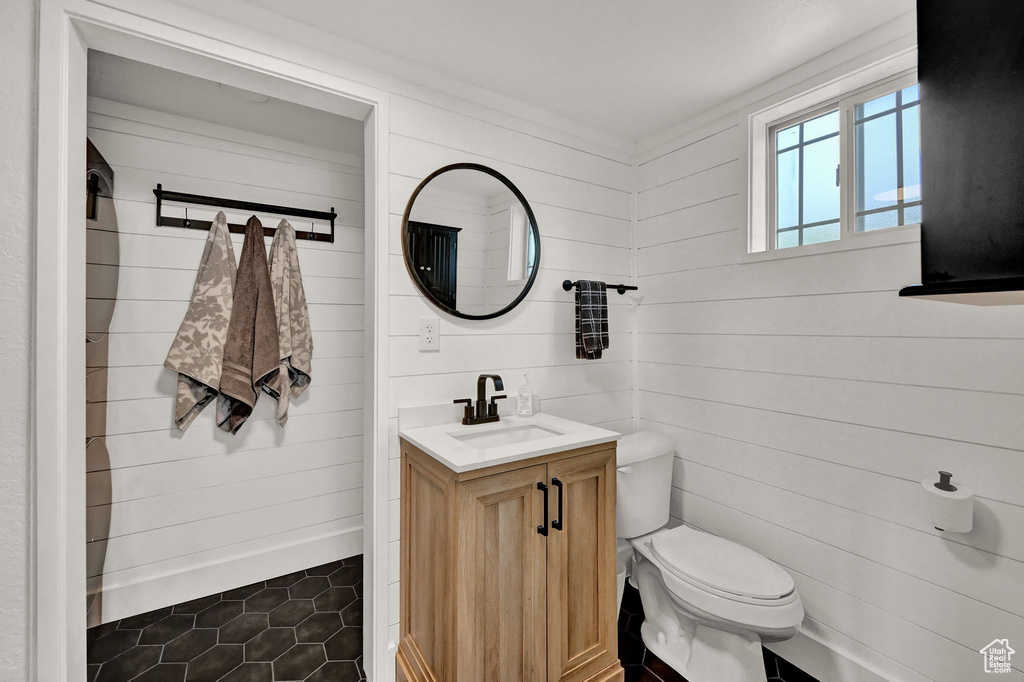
[534,234]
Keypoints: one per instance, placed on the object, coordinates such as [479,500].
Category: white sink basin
[508,435]
[435,431]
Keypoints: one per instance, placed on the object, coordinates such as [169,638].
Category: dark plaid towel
[591,319]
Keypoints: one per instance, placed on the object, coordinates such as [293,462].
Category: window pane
[875,106]
[877,221]
[888,160]
[787,179]
[788,137]
[912,154]
[821,194]
[821,233]
[876,163]
[826,124]
[787,239]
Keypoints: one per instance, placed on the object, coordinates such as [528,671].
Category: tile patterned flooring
[643,666]
[302,626]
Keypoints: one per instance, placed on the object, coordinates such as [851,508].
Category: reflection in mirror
[471,241]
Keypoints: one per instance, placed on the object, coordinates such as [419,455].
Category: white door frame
[168,35]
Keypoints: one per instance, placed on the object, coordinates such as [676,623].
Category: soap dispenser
[524,404]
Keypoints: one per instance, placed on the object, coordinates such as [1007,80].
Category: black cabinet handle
[557,523]
[543,528]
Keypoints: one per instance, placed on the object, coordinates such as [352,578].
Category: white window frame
[843,94]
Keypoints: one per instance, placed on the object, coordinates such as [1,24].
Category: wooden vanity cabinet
[486,595]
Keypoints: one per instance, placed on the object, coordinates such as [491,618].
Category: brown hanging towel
[251,355]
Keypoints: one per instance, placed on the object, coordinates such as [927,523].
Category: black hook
[186,223]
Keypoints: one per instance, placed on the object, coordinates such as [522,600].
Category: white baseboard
[157,591]
[829,656]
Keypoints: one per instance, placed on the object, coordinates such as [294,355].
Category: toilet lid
[720,564]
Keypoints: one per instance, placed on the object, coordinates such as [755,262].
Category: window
[838,162]
[807,181]
[887,153]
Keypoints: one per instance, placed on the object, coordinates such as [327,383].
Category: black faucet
[485,412]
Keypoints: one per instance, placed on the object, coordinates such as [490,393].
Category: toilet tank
[643,483]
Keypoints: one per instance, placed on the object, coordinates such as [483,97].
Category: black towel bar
[163,195]
[621,288]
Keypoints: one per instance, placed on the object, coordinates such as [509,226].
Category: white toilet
[708,602]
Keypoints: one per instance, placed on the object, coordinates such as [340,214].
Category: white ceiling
[172,92]
[629,68]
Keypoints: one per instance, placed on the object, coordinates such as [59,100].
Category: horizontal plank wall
[196,513]
[499,290]
[583,205]
[807,401]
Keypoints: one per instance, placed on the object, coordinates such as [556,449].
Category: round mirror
[471,242]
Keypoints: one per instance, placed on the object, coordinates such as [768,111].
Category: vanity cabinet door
[581,570]
[502,582]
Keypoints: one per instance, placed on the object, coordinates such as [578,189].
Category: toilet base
[698,652]
[710,655]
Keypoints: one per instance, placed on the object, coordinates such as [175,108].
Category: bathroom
[807,405]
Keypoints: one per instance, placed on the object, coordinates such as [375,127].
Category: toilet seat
[721,566]
[773,619]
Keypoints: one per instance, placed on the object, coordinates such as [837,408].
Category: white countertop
[442,441]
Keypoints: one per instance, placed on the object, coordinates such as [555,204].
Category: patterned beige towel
[198,348]
[251,354]
[294,333]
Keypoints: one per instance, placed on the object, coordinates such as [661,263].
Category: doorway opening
[151,519]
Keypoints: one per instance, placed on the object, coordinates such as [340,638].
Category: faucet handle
[468,414]
[492,409]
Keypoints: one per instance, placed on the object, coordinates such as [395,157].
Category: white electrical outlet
[430,334]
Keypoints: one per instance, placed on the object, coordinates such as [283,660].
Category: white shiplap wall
[203,511]
[500,290]
[807,400]
[583,205]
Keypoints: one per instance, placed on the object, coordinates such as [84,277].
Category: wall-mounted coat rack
[246,206]
[621,288]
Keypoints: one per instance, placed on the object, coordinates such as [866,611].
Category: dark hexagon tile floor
[302,626]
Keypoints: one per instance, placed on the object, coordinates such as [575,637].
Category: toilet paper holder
[944,482]
[950,508]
